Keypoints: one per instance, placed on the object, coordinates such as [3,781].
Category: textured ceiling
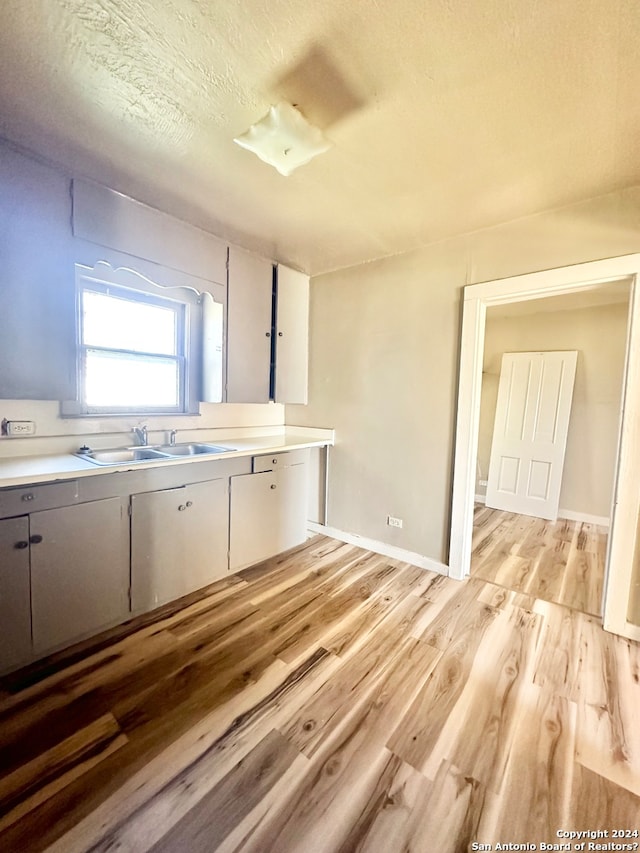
[445,117]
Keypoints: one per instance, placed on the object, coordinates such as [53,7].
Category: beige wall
[384,352]
[598,334]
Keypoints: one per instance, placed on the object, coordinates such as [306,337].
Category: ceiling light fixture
[284,139]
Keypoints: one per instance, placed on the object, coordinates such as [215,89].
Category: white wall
[598,334]
[384,342]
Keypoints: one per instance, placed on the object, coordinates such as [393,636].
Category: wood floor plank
[608,740]
[210,750]
[501,597]
[479,732]
[418,814]
[41,778]
[417,734]
[204,826]
[400,822]
[602,805]
[142,787]
[407,712]
[561,561]
[532,794]
[558,655]
[576,581]
[546,578]
[371,690]
[317,815]
[446,625]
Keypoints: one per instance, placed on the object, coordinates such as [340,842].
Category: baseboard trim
[570,515]
[383,548]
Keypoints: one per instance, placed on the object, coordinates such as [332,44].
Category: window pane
[109,321]
[117,380]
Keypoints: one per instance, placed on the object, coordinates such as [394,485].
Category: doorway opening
[621,607]
[557,552]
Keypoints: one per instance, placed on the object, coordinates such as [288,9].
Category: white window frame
[127,283]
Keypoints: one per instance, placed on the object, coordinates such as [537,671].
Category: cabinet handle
[274,461]
[21,545]
[28,496]
[280,334]
[189,503]
[35,539]
[181,507]
[273,485]
[267,334]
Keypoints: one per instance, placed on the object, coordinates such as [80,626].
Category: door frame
[625,504]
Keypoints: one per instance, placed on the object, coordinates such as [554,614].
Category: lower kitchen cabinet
[15,592]
[79,571]
[268,514]
[179,541]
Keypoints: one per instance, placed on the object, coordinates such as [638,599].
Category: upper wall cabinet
[108,218]
[268,331]
[249,328]
[37,287]
[292,336]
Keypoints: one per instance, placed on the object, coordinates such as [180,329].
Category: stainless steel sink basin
[191,449]
[122,456]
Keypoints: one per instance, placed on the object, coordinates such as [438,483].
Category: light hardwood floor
[329,700]
[561,561]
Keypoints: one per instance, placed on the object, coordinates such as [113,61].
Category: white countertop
[25,470]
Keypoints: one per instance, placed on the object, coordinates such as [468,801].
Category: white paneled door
[530,432]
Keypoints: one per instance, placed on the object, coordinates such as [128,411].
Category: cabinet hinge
[129,509]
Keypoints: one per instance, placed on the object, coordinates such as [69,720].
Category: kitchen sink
[120,456]
[191,449]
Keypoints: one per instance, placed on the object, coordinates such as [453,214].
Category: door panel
[268,514]
[249,328]
[179,542]
[292,340]
[530,432]
[79,571]
[15,603]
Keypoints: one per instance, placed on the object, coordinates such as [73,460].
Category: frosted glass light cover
[284,139]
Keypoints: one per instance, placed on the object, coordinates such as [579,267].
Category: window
[133,349]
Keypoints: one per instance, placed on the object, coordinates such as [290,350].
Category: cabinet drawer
[28,499]
[273,461]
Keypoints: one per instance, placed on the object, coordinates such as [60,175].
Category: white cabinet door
[179,541]
[249,328]
[15,597]
[79,571]
[292,337]
[268,514]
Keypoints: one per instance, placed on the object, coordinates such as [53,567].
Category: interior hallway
[328,700]
[560,561]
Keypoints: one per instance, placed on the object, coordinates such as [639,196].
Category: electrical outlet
[483,482]
[18,427]
[394,522]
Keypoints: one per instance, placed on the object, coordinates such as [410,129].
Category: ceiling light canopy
[284,139]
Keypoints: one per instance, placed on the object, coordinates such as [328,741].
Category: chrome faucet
[141,434]
[172,437]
